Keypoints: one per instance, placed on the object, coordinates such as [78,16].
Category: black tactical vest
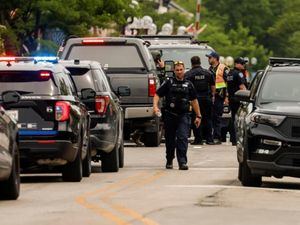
[177,100]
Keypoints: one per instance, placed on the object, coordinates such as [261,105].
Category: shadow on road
[281,185]
[41,178]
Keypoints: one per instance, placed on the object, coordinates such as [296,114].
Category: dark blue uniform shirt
[235,78]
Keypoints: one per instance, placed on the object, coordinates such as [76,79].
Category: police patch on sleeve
[241,75]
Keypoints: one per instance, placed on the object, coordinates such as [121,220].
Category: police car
[53,124]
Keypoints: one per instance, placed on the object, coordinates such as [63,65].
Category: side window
[100,81]
[255,83]
[70,83]
[64,84]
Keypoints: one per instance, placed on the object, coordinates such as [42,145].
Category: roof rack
[189,37]
[277,61]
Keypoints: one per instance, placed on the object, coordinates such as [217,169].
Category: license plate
[14,114]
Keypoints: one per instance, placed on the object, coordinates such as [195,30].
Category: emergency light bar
[276,61]
[28,59]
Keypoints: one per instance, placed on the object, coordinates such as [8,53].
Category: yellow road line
[82,200]
[131,212]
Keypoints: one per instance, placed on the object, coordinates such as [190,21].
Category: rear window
[82,77]
[32,82]
[110,56]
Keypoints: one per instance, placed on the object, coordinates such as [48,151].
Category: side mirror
[10,97]
[124,91]
[87,93]
[242,96]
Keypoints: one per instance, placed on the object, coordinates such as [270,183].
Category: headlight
[273,120]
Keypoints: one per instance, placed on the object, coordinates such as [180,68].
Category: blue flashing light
[52,59]
[37,132]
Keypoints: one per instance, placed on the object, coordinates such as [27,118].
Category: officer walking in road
[204,83]
[179,95]
[220,72]
[235,81]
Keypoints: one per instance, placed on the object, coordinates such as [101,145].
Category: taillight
[62,111]
[101,104]
[151,86]
[92,41]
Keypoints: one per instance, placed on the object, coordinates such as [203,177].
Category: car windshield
[281,86]
[110,56]
[185,55]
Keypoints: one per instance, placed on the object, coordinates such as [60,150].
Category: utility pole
[198,9]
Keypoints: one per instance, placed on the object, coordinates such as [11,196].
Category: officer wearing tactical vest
[204,83]
[220,72]
[236,80]
[179,95]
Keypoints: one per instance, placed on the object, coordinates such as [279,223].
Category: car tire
[72,171]
[245,175]
[110,161]
[10,188]
[121,155]
[87,163]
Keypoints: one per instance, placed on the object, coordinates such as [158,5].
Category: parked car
[53,123]
[9,158]
[130,68]
[268,124]
[107,120]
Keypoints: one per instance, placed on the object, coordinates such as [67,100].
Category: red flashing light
[45,74]
[92,41]
[151,87]
[101,104]
[7,59]
[62,111]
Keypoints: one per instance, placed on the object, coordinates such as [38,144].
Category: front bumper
[272,153]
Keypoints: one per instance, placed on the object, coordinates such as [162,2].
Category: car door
[246,108]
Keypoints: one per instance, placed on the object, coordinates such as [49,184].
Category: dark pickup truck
[129,66]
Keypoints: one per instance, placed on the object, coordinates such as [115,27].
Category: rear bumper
[102,140]
[35,150]
[136,112]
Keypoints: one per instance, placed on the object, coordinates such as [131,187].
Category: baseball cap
[213,55]
[240,60]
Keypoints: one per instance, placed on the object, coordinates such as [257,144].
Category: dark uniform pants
[217,116]
[176,134]
[234,106]
[205,129]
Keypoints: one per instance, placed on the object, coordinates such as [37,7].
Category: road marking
[82,200]
[203,162]
[128,211]
[214,168]
[232,187]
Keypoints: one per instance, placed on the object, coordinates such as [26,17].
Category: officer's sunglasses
[178,63]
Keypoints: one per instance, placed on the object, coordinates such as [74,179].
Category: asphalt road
[145,193]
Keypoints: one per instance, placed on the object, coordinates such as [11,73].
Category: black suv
[131,68]
[9,157]
[107,120]
[53,123]
[268,123]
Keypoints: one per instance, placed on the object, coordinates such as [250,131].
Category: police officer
[204,83]
[179,95]
[220,72]
[235,81]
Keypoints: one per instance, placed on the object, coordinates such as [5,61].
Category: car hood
[288,108]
